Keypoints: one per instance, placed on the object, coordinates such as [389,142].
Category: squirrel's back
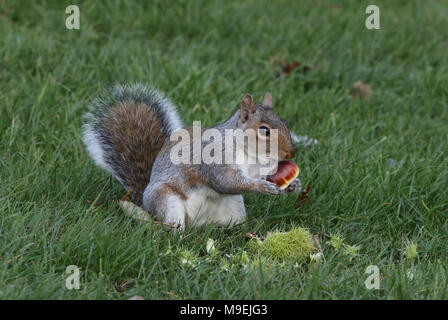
[125,130]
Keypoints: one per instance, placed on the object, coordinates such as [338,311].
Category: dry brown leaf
[252,235]
[316,242]
[172,294]
[127,196]
[301,68]
[122,286]
[287,67]
[302,198]
[360,90]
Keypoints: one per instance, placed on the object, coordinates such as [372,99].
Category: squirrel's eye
[264,131]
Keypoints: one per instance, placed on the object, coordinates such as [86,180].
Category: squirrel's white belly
[205,206]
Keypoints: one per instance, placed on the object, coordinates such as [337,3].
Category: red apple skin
[287,171]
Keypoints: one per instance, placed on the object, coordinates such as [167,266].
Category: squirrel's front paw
[269,188]
[295,186]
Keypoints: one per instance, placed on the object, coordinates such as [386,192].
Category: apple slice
[287,172]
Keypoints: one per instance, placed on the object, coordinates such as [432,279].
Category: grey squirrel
[127,132]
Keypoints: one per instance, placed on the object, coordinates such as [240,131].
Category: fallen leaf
[316,242]
[172,294]
[252,235]
[301,68]
[126,197]
[302,198]
[360,90]
[122,286]
[287,69]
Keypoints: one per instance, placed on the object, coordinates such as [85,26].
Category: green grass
[208,54]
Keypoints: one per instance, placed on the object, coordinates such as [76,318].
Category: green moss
[336,241]
[292,245]
[411,250]
[351,251]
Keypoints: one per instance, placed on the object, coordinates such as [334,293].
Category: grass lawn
[379,174]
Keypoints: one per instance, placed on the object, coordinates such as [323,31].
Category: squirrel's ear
[247,107]
[267,101]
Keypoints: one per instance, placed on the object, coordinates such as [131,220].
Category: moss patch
[292,245]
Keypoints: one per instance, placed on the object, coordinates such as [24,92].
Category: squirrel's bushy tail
[125,130]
